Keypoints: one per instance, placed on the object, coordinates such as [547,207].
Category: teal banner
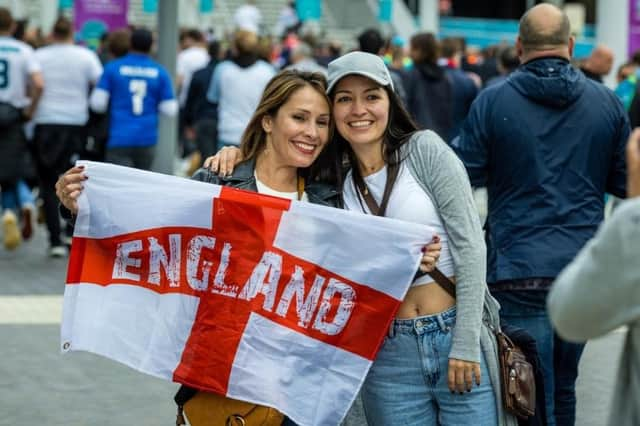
[309,9]
[386,10]
[206,6]
[150,6]
[65,4]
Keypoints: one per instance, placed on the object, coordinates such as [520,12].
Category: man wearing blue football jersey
[135,89]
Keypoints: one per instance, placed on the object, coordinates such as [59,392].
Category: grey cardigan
[444,179]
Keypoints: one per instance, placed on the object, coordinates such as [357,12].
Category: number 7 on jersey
[138,89]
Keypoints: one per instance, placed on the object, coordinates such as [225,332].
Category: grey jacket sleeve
[439,171]
[600,290]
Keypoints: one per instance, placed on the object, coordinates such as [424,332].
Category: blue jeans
[18,197]
[407,384]
[559,359]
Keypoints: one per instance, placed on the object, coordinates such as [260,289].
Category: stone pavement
[39,386]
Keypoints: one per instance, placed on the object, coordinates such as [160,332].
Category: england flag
[279,303]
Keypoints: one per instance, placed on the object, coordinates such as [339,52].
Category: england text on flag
[261,299]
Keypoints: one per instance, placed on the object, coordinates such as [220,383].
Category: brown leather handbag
[210,409]
[516,373]
[518,379]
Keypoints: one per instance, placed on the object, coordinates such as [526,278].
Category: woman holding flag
[431,369]
[284,148]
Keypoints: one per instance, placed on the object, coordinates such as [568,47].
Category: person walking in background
[192,57]
[236,86]
[508,61]
[599,291]
[440,92]
[547,144]
[134,89]
[21,86]
[117,45]
[429,90]
[598,64]
[201,116]
[69,73]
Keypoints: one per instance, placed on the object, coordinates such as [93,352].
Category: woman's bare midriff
[426,299]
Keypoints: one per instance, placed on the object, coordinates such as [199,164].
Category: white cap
[359,63]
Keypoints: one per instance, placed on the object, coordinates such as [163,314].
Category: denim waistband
[420,325]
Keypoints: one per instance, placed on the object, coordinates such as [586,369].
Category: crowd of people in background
[437,80]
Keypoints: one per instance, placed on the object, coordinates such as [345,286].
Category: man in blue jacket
[548,143]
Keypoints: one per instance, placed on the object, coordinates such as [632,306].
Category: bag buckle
[236,420]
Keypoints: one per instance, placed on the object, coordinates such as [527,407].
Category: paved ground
[39,386]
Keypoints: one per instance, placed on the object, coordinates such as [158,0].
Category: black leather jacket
[243,178]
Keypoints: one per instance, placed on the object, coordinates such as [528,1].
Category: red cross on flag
[279,303]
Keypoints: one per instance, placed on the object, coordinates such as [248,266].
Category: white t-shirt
[17,64]
[248,17]
[68,71]
[237,92]
[189,61]
[264,189]
[407,202]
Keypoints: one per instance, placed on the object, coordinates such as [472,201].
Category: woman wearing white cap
[432,368]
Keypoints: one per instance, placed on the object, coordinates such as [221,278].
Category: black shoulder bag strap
[363,190]
[392,173]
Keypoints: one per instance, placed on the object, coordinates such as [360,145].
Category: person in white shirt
[20,89]
[69,72]
[192,57]
[248,17]
[236,87]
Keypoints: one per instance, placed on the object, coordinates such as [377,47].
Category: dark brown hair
[6,20]
[427,48]
[62,29]
[118,43]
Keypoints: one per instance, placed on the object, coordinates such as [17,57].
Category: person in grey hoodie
[600,291]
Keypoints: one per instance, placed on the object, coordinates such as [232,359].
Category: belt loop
[391,331]
[441,323]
